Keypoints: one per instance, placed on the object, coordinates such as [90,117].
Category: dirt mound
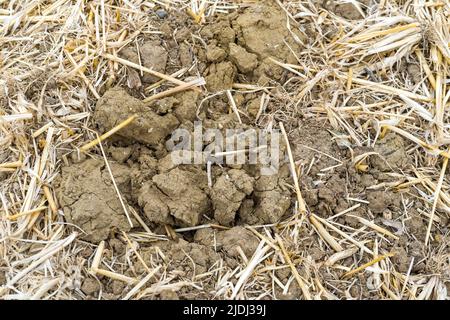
[271,200]
[227,194]
[116,105]
[246,41]
[88,198]
[179,195]
[175,197]
[261,29]
[220,76]
[236,46]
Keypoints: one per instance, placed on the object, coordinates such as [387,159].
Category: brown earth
[87,197]
[237,49]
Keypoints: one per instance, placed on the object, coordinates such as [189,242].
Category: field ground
[92,205]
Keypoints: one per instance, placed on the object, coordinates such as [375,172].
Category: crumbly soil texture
[195,219]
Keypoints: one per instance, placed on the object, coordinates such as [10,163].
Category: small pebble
[161,13]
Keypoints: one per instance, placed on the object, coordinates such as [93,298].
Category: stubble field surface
[93,205]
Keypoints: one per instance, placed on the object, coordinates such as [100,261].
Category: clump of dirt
[90,286]
[144,165]
[229,240]
[270,201]
[151,55]
[187,104]
[215,53]
[227,194]
[180,197]
[346,10]
[175,197]
[329,198]
[255,29]
[245,62]
[120,154]
[416,225]
[414,72]
[404,252]
[116,105]
[88,198]
[240,45]
[392,151]
[182,105]
[221,76]
[379,201]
